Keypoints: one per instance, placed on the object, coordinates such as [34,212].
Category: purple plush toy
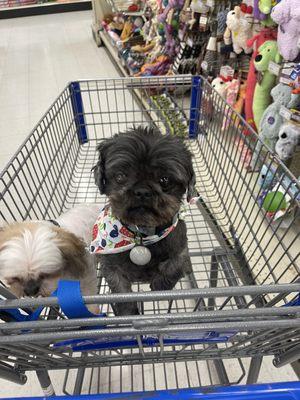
[257,14]
[287,15]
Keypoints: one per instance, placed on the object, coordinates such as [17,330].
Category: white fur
[33,251]
[80,220]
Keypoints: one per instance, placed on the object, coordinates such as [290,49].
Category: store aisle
[38,56]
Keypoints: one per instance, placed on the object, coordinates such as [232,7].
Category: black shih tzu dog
[145,175]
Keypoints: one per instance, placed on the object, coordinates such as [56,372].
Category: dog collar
[110,236]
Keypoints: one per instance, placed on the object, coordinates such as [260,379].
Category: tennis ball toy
[274,201]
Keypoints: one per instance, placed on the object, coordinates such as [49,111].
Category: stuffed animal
[159,66]
[220,86]
[255,42]
[232,91]
[272,120]
[199,6]
[239,104]
[261,99]
[289,139]
[265,6]
[266,177]
[172,4]
[239,30]
[257,14]
[264,18]
[287,16]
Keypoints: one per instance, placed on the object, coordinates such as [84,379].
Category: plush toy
[272,120]
[127,30]
[261,99]
[239,104]
[255,42]
[220,85]
[266,177]
[172,4]
[265,6]
[289,139]
[238,31]
[159,66]
[199,6]
[257,14]
[287,16]
[135,6]
[232,91]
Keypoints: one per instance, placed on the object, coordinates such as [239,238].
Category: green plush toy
[266,80]
[265,6]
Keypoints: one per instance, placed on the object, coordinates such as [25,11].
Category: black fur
[133,163]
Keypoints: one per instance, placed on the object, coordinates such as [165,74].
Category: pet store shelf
[14,9]
[113,52]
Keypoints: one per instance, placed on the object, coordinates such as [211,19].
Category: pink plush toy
[231,96]
[287,15]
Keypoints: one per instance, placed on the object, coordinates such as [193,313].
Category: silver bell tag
[140,254]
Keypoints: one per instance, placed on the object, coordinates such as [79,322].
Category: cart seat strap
[69,298]
[71,301]
[16,315]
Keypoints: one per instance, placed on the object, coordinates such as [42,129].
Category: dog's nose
[258,58]
[32,287]
[142,193]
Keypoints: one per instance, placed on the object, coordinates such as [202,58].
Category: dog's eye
[120,177]
[164,182]
[44,276]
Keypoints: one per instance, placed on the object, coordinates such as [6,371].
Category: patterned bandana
[110,236]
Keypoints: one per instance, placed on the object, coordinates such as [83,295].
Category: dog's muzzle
[32,287]
[143,194]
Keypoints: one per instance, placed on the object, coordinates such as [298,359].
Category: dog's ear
[73,252]
[191,190]
[99,168]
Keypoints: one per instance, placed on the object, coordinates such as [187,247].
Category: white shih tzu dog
[34,255]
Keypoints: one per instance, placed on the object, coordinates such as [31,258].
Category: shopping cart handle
[162,323]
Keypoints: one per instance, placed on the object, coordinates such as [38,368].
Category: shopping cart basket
[241,302]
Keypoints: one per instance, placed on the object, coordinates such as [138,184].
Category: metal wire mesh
[232,240]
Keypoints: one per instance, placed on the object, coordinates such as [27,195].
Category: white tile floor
[38,56]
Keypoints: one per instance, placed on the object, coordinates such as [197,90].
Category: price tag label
[180,34]
[285,113]
[284,79]
[274,68]
[203,20]
[190,42]
[204,65]
[226,71]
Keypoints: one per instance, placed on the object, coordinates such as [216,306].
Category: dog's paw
[126,309]
[161,283]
